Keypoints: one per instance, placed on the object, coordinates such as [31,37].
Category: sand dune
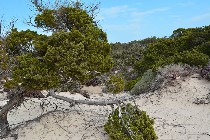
[181,112]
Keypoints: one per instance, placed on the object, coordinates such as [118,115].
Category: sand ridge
[173,107]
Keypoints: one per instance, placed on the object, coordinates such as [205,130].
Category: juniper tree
[76,50]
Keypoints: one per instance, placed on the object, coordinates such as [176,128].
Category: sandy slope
[176,116]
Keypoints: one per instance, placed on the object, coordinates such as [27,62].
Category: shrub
[115,84]
[145,84]
[169,73]
[176,70]
[156,55]
[132,124]
[204,48]
[192,58]
[94,82]
[131,83]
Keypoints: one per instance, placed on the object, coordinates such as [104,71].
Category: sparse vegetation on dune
[78,53]
[184,46]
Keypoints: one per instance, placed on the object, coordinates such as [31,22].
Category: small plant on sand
[115,84]
[130,123]
[145,84]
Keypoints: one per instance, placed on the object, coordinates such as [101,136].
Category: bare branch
[88,102]
[0,29]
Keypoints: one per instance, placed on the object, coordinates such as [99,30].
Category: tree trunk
[18,99]
[15,101]
[4,125]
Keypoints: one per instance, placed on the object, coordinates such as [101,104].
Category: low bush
[204,48]
[169,74]
[145,84]
[173,71]
[130,123]
[115,84]
[192,58]
[130,84]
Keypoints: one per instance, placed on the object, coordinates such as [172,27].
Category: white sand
[176,116]
[93,89]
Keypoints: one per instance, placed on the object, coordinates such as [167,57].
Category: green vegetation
[193,58]
[128,122]
[130,84]
[190,46]
[115,84]
[145,84]
[76,51]
[125,56]
[185,46]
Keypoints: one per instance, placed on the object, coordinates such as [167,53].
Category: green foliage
[133,119]
[156,55]
[21,42]
[45,19]
[115,84]
[145,84]
[204,48]
[190,46]
[193,58]
[64,18]
[77,50]
[32,73]
[187,39]
[125,55]
[10,84]
[131,83]
[3,60]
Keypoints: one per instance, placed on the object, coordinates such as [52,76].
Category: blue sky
[128,20]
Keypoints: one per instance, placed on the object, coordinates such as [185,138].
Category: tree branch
[12,102]
[88,102]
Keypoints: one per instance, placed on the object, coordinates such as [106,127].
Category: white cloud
[186,4]
[201,17]
[129,20]
[116,9]
[126,12]
[151,11]
[113,12]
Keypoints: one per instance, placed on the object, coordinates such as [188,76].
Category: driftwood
[86,101]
